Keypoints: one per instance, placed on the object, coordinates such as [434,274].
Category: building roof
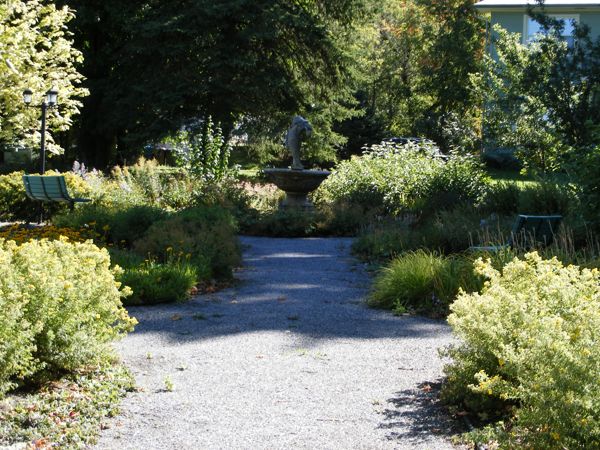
[495,5]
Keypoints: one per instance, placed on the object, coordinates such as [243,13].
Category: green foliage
[62,306]
[530,343]
[120,226]
[36,53]
[82,399]
[423,281]
[541,98]
[14,203]
[401,179]
[203,152]
[543,197]
[228,59]
[413,60]
[158,283]
[589,180]
[450,231]
[205,235]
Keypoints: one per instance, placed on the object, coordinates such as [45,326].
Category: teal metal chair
[51,188]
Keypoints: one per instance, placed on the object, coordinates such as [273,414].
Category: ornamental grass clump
[61,306]
[530,352]
[422,281]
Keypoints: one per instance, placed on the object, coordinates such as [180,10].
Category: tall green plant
[203,151]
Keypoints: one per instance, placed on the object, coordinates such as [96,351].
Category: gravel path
[290,358]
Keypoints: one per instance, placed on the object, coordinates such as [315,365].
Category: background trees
[415,66]
[153,65]
[359,70]
[36,52]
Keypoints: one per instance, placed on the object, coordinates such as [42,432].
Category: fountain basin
[296,184]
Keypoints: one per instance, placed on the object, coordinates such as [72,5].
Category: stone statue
[299,130]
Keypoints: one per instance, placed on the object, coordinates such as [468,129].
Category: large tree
[36,52]
[153,65]
[416,62]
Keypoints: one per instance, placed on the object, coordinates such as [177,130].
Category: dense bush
[445,231]
[423,281]
[204,235]
[339,219]
[120,225]
[530,347]
[158,283]
[401,179]
[543,197]
[60,308]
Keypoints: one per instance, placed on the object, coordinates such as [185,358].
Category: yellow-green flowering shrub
[61,306]
[531,344]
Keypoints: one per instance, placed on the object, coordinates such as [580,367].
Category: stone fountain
[296,182]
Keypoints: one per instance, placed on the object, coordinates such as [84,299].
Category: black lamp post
[50,101]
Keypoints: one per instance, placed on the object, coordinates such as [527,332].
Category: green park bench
[528,231]
[51,188]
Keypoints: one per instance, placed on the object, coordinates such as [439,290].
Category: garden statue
[298,131]
[296,182]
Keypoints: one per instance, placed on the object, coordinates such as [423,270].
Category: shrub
[446,231]
[158,283]
[61,306]
[121,225]
[530,342]
[423,281]
[206,234]
[547,197]
[503,198]
[401,179]
[281,223]
[460,181]
[384,241]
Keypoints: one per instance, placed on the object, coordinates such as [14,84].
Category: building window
[533,28]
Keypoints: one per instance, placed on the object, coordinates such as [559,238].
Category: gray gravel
[289,358]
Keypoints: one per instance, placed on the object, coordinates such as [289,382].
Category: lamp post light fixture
[50,101]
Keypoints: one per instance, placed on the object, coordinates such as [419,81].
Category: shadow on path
[309,286]
[417,413]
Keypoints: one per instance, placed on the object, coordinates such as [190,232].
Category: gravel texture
[289,358]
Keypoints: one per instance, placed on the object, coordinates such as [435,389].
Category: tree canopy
[153,65]
[36,53]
